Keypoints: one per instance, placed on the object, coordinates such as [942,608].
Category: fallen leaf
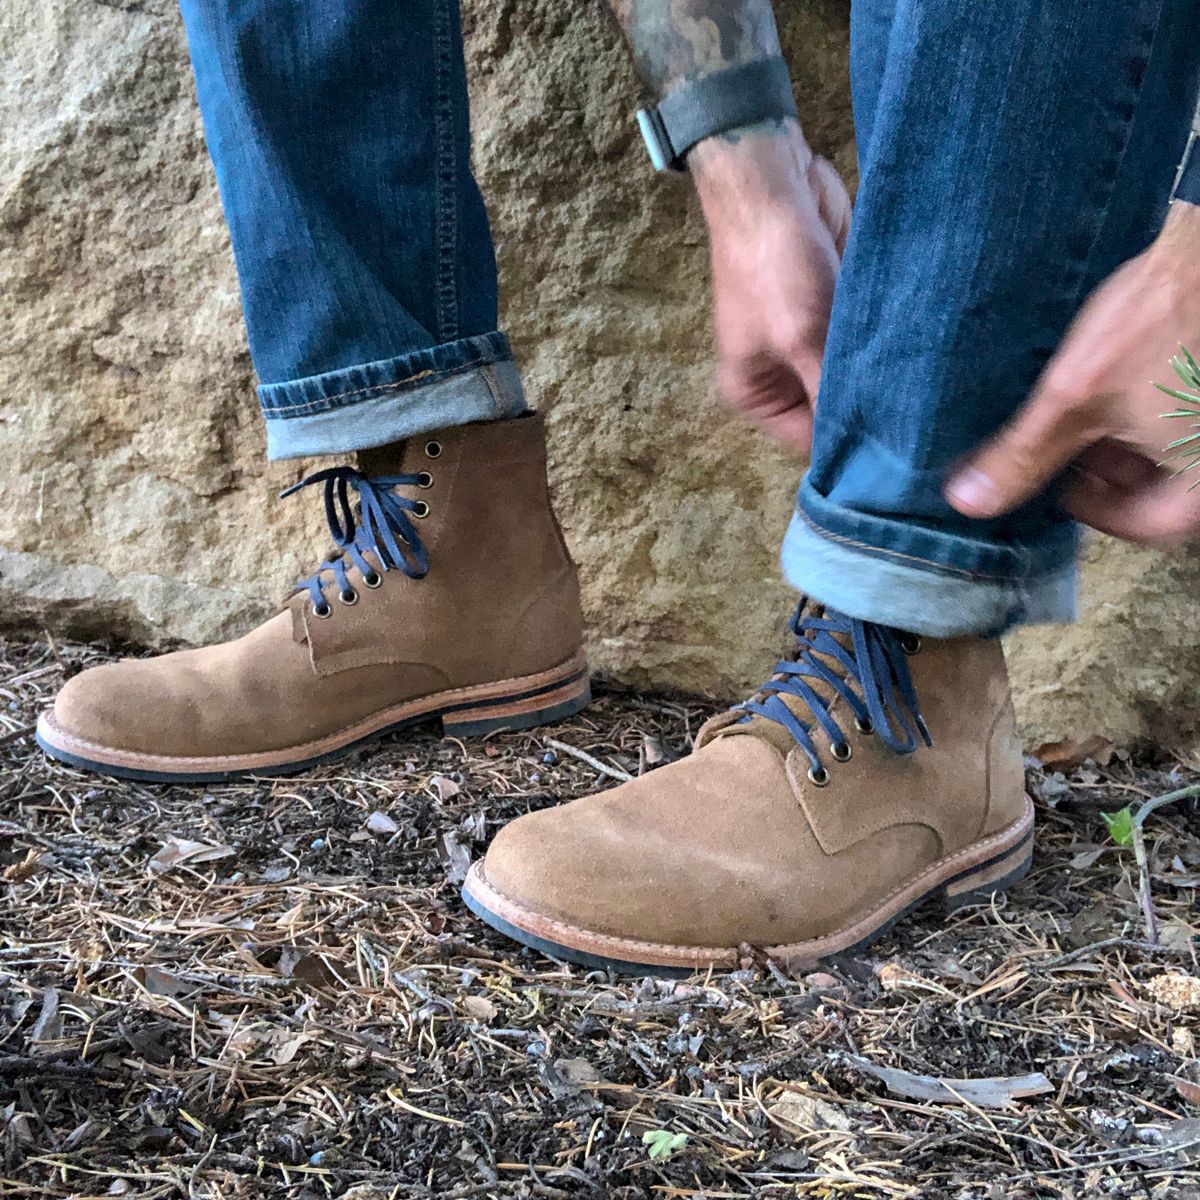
[445,788]
[577,1071]
[293,914]
[161,983]
[287,1046]
[654,753]
[1086,858]
[1175,990]
[893,976]
[1071,752]
[176,851]
[1183,1041]
[808,1113]
[380,822]
[305,967]
[1187,1091]
[150,1043]
[48,1026]
[822,981]
[455,856]
[479,1008]
[1176,934]
[989,1092]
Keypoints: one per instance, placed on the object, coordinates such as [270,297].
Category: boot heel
[529,712]
[980,884]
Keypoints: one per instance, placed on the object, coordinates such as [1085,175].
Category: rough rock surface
[134,498]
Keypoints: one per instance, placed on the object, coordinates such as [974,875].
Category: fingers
[1117,465]
[833,200]
[774,395]
[1025,456]
[1163,513]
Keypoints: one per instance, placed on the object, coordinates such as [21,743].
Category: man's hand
[777,218]
[1095,408]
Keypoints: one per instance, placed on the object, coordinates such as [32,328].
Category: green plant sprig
[1186,449]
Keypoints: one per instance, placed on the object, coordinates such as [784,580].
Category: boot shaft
[501,595]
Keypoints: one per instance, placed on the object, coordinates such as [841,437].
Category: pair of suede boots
[871,772]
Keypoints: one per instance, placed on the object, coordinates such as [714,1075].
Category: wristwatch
[699,108]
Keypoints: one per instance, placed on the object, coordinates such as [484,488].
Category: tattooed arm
[674,40]
[777,214]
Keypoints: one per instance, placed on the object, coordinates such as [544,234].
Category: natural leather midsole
[660,954]
[539,690]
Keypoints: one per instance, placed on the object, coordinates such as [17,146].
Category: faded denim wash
[1012,155]
[340,136]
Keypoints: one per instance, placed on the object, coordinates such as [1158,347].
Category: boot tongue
[382,460]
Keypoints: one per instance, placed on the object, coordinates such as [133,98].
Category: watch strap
[700,108]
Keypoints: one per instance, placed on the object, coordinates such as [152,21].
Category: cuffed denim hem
[914,592]
[372,404]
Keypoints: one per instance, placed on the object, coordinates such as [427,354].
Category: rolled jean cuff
[372,404]
[913,586]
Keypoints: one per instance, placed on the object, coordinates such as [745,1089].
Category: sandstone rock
[135,500]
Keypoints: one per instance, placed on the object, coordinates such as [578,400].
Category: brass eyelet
[910,644]
[373,579]
[841,751]
[421,511]
[323,611]
[348,597]
[865,727]
[818,776]
[433,449]
[424,479]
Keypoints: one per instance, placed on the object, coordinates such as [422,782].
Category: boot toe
[107,706]
[627,863]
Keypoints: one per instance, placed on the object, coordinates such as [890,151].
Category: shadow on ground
[273,989]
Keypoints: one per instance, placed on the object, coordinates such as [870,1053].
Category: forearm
[677,40]
[674,42]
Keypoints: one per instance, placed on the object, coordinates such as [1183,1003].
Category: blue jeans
[339,132]
[1012,155]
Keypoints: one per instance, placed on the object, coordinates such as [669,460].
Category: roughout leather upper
[734,844]
[501,600]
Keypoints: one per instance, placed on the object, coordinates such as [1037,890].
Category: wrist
[1176,250]
[750,170]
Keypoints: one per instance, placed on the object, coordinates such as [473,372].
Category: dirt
[272,988]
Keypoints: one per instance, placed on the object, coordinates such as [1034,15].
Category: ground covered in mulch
[273,989]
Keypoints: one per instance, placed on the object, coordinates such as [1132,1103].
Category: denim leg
[1014,154]
[339,131]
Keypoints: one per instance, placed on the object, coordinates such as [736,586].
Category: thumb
[1022,459]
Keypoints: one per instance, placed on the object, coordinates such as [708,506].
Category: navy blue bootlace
[875,663]
[381,527]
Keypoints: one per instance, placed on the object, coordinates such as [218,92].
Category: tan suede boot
[451,596]
[805,822]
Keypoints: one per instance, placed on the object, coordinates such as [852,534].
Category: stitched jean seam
[447,191]
[342,399]
[917,562]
